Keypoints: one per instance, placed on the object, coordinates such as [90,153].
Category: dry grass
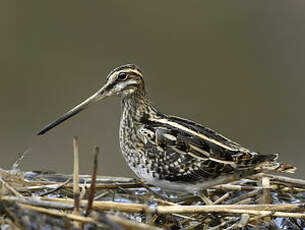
[37,200]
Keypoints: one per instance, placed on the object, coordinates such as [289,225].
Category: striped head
[123,81]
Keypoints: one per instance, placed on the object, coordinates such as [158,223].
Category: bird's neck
[137,105]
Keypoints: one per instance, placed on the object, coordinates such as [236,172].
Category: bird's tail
[270,163]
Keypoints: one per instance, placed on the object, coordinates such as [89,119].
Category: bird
[168,151]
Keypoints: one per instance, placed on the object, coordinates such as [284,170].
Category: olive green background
[235,66]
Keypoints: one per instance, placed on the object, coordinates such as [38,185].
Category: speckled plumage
[168,151]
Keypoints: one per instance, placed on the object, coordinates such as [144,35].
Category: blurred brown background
[235,66]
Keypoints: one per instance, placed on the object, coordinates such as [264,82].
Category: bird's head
[123,81]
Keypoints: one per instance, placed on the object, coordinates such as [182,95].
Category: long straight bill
[94,98]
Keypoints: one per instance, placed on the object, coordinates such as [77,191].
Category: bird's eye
[122,76]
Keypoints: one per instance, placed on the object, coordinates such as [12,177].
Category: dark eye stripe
[136,73]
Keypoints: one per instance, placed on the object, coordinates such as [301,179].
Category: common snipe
[169,151]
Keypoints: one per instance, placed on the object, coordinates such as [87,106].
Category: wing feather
[187,137]
[192,151]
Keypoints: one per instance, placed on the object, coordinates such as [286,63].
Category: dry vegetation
[44,200]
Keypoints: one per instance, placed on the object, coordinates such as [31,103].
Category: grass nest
[46,200]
